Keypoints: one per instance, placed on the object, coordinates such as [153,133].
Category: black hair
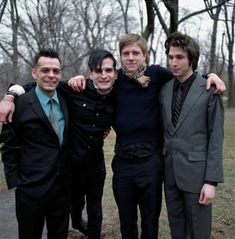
[46,52]
[188,44]
[96,58]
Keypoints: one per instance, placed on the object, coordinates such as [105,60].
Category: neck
[103,92]
[185,77]
[100,91]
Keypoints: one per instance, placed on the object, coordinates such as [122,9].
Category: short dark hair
[96,58]
[46,52]
[188,44]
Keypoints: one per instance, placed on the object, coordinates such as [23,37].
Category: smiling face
[132,57]
[47,73]
[104,77]
[179,63]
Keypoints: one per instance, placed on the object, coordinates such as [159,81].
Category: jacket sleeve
[215,111]
[10,154]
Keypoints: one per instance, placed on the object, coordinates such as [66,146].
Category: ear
[145,58]
[116,75]
[90,73]
[34,73]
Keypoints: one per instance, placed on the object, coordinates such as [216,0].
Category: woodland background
[76,27]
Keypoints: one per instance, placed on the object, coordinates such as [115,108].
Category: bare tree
[214,14]
[230,32]
[71,27]
[173,8]
[11,48]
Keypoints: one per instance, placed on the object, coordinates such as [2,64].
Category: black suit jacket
[32,154]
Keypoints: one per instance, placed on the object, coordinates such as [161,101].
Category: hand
[214,79]
[7,108]
[77,83]
[207,194]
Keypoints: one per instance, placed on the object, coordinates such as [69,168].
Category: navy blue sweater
[137,118]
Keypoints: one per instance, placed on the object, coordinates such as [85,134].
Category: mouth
[174,70]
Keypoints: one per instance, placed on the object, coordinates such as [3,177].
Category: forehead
[132,47]
[107,62]
[48,62]
[176,50]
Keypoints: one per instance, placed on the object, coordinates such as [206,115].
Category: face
[47,73]
[179,63]
[104,78]
[132,57]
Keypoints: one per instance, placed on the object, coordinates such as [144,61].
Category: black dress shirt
[91,114]
[185,89]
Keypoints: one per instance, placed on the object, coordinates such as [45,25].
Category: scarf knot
[139,76]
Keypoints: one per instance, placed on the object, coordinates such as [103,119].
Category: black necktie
[53,118]
[177,106]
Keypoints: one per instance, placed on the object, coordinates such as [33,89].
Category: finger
[9,117]
[208,84]
[84,85]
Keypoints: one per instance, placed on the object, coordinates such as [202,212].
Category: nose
[130,56]
[51,73]
[174,61]
[103,73]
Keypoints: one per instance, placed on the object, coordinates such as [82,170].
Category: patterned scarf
[139,76]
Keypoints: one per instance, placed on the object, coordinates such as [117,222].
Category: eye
[56,71]
[109,70]
[125,53]
[136,53]
[45,70]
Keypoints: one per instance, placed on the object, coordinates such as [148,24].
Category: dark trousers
[138,182]
[88,182]
[187,218]
[32,213]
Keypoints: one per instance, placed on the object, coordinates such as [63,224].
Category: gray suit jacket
[193,149]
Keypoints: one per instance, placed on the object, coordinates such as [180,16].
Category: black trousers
[138,183]
[88,182]
[32,213]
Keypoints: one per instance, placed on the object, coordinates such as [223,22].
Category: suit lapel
[193,95]
[37,108]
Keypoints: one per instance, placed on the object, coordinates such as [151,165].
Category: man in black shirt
[91,114]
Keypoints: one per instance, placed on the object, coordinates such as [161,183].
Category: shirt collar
[187,83]
[44,98]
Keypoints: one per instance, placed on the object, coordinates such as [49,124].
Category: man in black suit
[34,153]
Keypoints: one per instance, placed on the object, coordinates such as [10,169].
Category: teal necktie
[53,118]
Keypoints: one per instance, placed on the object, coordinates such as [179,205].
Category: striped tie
[177,106]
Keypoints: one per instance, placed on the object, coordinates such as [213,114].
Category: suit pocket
[197,156]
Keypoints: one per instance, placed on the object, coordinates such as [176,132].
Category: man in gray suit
[193,133]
